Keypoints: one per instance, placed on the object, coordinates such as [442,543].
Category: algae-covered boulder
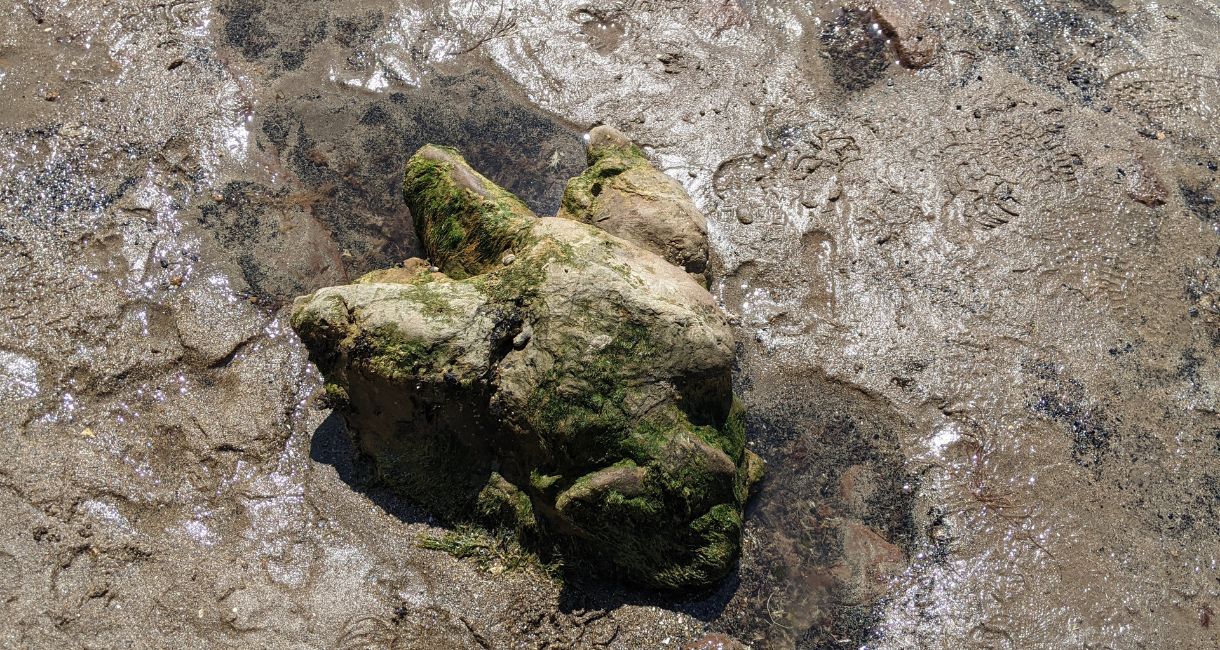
[623,194]
[548,377]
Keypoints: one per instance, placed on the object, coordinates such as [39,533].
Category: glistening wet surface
[972,252]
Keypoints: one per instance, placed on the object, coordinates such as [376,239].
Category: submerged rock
[623,194]
[581,391]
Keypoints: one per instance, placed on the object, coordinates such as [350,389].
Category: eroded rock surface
[624,194]
[549,375]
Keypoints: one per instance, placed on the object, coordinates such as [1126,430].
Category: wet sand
[972,251]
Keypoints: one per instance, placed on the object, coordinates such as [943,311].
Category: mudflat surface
[972,250]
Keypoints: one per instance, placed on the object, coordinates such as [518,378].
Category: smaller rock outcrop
[623,194]
[542,375]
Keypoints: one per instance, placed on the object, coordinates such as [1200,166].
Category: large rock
[623,194]
[550,377]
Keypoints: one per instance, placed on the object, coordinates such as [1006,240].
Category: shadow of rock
[332,445]
[586,590]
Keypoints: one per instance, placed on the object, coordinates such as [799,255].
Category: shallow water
[972,252]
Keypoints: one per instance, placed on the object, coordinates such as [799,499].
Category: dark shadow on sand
[331,445]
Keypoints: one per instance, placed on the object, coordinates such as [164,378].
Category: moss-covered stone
[334,396]
[623,194]
[503,504]
[465,222]
[577,391]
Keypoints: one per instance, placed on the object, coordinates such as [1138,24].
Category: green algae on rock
[624,194]
[549,378]
[465,221]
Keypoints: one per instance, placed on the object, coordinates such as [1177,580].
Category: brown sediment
[915,47]
[1031,345]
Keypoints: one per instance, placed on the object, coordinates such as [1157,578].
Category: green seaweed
[580,401]
[427,290]
[503,504]
[520,281]
[494,551]
[641,537]
[606,160]
[386,351]
[334,396]
[749,474]
[579,405]
[464,229]
[431,300]
[626,154]
[542,483]
[581,191]
[731,437]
